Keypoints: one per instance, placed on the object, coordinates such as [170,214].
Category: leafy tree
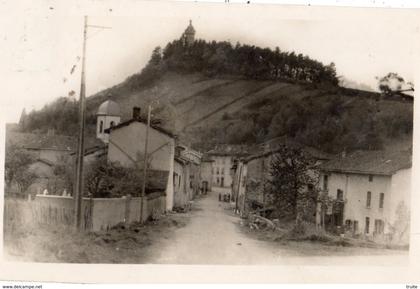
[292,184]
[104,179]
[17,162]
[393,82]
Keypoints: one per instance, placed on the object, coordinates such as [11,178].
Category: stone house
[252,172]
[369,189]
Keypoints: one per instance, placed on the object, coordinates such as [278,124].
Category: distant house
[372,188]
[48,150]
[223,157]
[206,174]
[252,172]
[126,143]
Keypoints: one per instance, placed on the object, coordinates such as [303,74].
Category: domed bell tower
[108,115]
[189,35]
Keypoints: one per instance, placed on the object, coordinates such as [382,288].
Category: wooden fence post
[127,209]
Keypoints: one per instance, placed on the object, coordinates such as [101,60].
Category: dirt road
[213,237]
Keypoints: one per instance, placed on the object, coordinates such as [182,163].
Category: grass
[308,241]
[122,244]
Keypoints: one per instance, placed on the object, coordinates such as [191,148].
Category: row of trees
[221,58]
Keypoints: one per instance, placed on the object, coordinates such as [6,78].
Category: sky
[41,44]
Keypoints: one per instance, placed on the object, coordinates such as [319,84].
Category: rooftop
[154,125]
[370,162]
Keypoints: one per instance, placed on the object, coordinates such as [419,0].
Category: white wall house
[223,157]
[126,147]
[372,186]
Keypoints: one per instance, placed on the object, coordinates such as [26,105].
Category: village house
[206,174]
[252,172]
[373,188]
[186,176]
[222,160]
[126,144]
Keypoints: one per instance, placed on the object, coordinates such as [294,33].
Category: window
[217,170]
[379,227]
[368,199]
[339,195]
[223,171]
[381,200]
[112,124]
[179,180]
[217,180]
[101,126]
[367,225]
[223,182]
[370,178]
[325,182]
[175,178]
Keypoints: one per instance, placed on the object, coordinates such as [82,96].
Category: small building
[206,174]
[48,151]
[126,144]
[223,158]
[186,175]
[370,189]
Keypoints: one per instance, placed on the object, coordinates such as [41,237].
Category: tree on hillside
[293,185]
[156,57]
[393,82]
[17,162]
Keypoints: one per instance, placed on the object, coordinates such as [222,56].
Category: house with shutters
[370,189]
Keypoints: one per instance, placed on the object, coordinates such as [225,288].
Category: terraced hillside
[204,111]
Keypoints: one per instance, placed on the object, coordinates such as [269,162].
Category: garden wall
[97,214]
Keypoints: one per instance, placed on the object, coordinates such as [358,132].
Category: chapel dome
[110,108]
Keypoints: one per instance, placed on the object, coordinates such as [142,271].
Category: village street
[213,236]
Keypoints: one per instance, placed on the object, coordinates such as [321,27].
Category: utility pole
[81,141]
[143,189]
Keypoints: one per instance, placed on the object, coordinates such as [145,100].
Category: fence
[97,213]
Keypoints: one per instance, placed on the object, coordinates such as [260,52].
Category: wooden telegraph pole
[143,189]
[81,141]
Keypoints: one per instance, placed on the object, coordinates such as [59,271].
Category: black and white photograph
[244,136]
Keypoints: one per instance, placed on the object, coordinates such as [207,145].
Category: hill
[206,103]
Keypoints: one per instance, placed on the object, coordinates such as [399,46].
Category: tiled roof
[41,141]
[370,162]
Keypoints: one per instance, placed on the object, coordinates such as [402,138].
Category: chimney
[136,112]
